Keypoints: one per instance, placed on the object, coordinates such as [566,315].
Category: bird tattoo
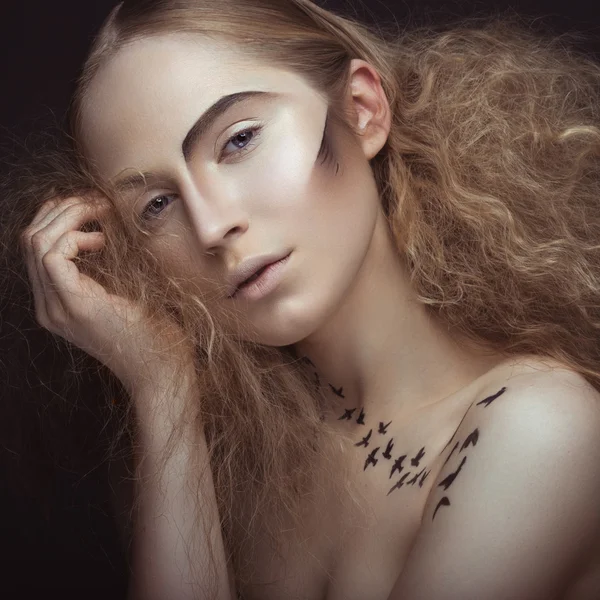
[451,453]
[361,417]
[383,428]
[371,460]
[424,478]
[397,465]
[388,449]
[487,401]
[415,478]
[347,416]
[365,441]
[337,391]
[415,461]
[398,483]
[447,482]
[471,439]
[445,501]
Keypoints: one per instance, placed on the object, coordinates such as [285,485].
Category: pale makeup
[267,194]
[343,297]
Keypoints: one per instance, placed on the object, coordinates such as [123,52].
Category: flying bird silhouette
[347,416]
[397,465]
[337,391]
[415,478]
[415,461]
[383,428]
[471,439]
[371,460]
[365,441]
[398,483]
[487,401]
[447,482]
[445,501]
[361,417]
[424,478]
[451,453]
[388,449]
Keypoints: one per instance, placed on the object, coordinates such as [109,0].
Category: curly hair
[490,180]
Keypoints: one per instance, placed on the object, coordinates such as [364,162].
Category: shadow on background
[58,532]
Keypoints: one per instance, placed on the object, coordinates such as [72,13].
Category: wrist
[155,377]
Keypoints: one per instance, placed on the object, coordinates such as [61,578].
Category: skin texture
[506,497]
[515,504]
[386,361]
[276,197]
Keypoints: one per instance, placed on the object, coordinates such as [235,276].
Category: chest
[358,546]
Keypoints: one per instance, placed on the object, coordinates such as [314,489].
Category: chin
[276,337]
[291,324]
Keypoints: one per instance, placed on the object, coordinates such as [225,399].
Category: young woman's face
[249,182]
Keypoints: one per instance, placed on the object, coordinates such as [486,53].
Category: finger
[71,218]
[51,209]
[37,289]
[72,215]
[43,214]
[67,283]
[67,216]
[48,211]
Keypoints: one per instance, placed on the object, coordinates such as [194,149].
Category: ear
[369,107]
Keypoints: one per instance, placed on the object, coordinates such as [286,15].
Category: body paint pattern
[406,469]
[387,453]
[371,460]
[470,442]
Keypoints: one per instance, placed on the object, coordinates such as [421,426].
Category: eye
[242,139]
[156,206]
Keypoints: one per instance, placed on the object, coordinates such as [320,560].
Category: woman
[349,283]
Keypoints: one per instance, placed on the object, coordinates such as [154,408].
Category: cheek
[279,176]
[180,258]
[330,223]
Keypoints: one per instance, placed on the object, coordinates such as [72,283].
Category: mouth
[263,281]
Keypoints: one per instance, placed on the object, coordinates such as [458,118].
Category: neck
[384,351]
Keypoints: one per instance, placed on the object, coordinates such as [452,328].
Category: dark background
[56,532]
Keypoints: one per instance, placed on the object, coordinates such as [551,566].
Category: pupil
[157,205]
[242,137]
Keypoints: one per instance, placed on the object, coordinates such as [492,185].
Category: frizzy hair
[490,182]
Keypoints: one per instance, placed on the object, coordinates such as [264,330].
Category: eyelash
[146,216]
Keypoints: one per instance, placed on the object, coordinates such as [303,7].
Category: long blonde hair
[490,180]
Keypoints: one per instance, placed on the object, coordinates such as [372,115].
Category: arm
[119,333]
[514,512]
[161,532]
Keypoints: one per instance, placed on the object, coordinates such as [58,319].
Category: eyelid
[256,129]
[146,206]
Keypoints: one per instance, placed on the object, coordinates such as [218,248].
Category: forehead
[149,94]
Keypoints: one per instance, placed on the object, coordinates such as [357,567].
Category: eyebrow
[197,131]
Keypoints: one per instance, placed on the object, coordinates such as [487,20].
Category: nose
[217,221]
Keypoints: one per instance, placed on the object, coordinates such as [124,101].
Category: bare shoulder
[538,406]
[538,388]
[514,503]
[530,399]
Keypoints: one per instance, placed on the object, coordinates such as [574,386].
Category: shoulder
[531,417]
[536,395]
[528,419]
[529,410]
[515,504]
[538,402]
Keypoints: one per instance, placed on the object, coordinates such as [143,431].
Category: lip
[266,282]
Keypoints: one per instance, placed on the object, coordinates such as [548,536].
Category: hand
[69,303]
